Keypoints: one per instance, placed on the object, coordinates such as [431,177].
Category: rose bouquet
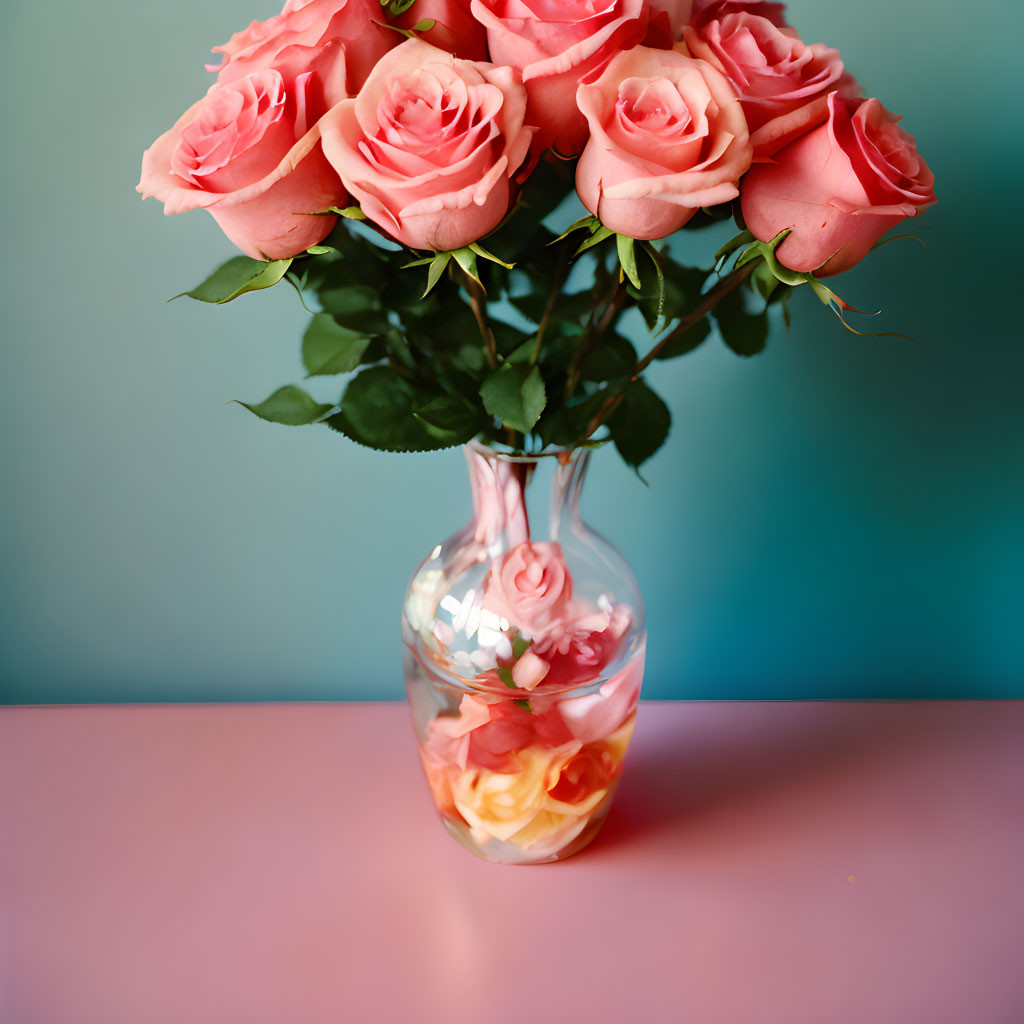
[470,193]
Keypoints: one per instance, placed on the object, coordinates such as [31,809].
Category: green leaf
[466,259]
[328,348]
[424,25]
[349,212]
[590,222]
[640,424]
[320,250]
[477,248]
[566,426]
[358,307]
[626,247]
[447,416]
[599,235]
[612,358]
[383,410]
[763,281]
[236,277]
[683,287]
[687,341]
[745,333]
[650,294]
[743,238]
[514,393]
[437,267]
[289,405]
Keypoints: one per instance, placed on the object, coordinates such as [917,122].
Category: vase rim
[481,447]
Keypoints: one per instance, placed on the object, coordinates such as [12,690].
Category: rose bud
[557,44]
[838,189]
[668,136]
[455,29]
[249,152]
[300,31]
[782,84]
[429,145]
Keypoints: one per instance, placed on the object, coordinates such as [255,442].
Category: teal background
[840,517]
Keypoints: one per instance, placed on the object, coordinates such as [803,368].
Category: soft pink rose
[839,188]
[455,29]
[579,653]
[300,31]
[676,13]
[489,733]
[249,152]
[714,10]
[530,587]
[782,84]
[597,715]
[429,145]
[576,652]
[668,136]
[557,44]
[590,770]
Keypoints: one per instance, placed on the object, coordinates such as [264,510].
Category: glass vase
[523,640]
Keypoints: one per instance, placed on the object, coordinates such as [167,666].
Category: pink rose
[782,84]
[429,145]
[714,10]
[676,13]
[489,733]
[597,715]
[300,31]
[530,587]
[249,152]
[839,188]
[557,44]
[668,136]
[590,770]
[575,653]
[455,29]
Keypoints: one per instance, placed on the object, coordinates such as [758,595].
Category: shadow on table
[729,755]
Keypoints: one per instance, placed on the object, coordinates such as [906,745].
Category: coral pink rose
[455,29]
[557,44]
[676,13]
[838,189]
[301,31]
[589,771]
[530,587]
[782,84]
[488,733]
[429,145]
[668,136]
[249,152]
[511,728]
[714,10]
[597,715]
[575,653]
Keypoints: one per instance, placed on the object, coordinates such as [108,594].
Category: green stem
[556,291]
[477,302]
[596,326]
[727,284]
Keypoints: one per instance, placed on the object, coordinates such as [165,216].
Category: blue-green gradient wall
[838,517]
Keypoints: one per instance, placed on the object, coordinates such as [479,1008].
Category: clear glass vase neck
[501,497]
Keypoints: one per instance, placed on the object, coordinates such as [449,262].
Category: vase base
[556,848]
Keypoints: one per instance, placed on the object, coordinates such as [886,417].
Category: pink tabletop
[796,862]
